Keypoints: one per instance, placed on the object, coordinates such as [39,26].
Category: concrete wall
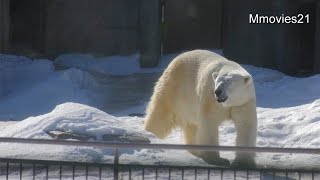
[256,44]
[286,47]
[150,32]
[109,27]
[26,25]
[101,26]
[4,25]
[317,41]
[191,24]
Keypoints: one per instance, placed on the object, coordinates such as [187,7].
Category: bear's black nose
[218,91]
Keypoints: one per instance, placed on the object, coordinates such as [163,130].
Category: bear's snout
[218,91]
[220,94]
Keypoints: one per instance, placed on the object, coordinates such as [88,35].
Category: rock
[125,138]
[106,137]
[66,135]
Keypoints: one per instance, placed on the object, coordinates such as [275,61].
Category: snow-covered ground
[36,98]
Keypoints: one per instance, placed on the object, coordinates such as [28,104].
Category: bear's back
[198,56]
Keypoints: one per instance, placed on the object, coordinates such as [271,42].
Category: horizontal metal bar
[8,161]
[104,144]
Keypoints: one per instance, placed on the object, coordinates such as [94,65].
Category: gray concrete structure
[4,25]
[317,41]
[122,27]
[287,47]
[102,26]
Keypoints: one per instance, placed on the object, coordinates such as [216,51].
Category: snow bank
[87,121]
[32,88]
[263,75]
[68,117]
[73,118]
[17,73]
[113,65]
[290,127]
[288,109]
[7,60]
[116,65]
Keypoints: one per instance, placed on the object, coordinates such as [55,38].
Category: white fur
[184,97]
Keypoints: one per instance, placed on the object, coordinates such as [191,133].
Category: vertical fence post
[116,163]
[150,32]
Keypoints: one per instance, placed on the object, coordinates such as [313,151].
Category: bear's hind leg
[159,121]
[189,132]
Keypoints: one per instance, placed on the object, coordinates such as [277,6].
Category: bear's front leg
[208,134]
[245,119]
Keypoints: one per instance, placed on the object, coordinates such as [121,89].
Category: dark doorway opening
[192,24]
[27,26]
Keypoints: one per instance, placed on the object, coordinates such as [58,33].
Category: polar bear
[196,92]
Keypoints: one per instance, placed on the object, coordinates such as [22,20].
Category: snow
[68,117]
[31,88]
[115,65]
[41,98]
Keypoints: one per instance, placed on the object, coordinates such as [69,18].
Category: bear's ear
[247,79]
[214,75]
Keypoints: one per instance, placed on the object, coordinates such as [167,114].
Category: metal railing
[49,169]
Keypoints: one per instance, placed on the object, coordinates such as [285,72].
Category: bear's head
[233,87]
